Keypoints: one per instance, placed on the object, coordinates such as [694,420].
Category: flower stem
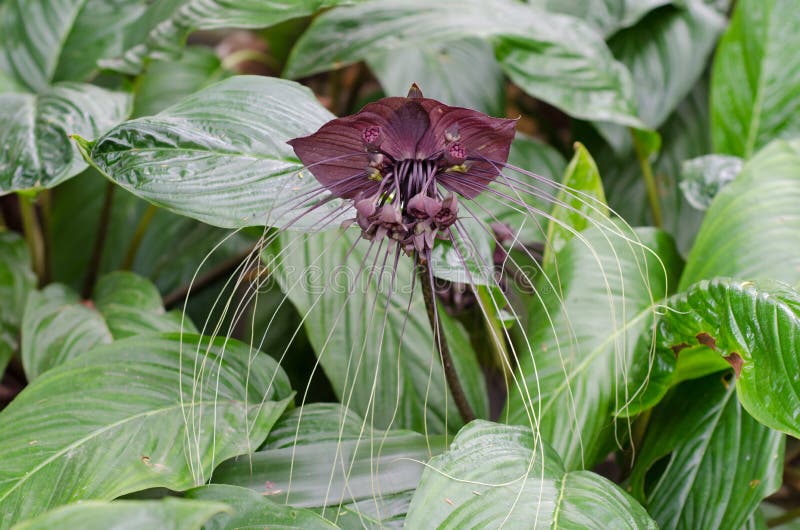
[649,179]
[141,229]
[99,242]
[33,235]
[456,389]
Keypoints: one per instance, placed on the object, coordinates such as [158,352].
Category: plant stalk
[33,235]
[464,409]
[99,242]
[649,180]
[138,235]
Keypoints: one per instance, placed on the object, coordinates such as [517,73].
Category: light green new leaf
[165,24]
[609,16]
[148,411]
[755,89]
[35,149]
[371,335]
[16,281]
[718,462]
[586,357]
[254,511]
[704,176]
[576,207]
[220,155]
[446,71]
[752,229]
[57,326]
[756,327]
[553,57]
[497,476]
[166,514]
[45,41]
[325,457]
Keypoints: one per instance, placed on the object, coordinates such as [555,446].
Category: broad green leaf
[685,135]
[704,176]
[155,411]
[585,357]
[529,224]
[752,229]
[445,71]
[166,514]
[44,41]
[577,205]
[220,155]
[666,53]
[718,462]
[371,333]
[323,456]
[253,511]
[497,476]
[755,89]
[553,57]
[166,82]
[16,281]
[608,16]
[756,327]
[36,150]
[132,305]
[165,25]
[58,326]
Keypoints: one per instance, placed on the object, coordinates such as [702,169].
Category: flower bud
[423,207]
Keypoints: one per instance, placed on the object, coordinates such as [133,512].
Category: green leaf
[667,52]
[134,414]
[756,327]
[166,82]
[44,41]
[553,57]
[704,176]
[252,510]
[445,71]
[16,281]
[164,26]
[685,135]
[536,157]
[166,514]
[57,326]
[747,238]
[37,152]
[374,344]
[500,475]
[169,253]
[586,357]
[323,456]
[608,16]
[755,89]
[220,155]
[718,462]
[131,305]
[576,206]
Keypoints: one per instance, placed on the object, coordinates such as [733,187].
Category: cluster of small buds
[415,226]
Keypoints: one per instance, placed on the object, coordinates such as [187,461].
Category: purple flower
[404,160]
